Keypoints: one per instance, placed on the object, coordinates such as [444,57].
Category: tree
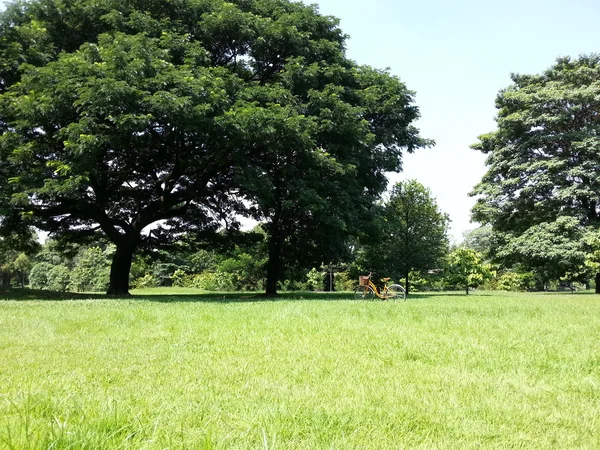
[330,144]
[544,159]
[121,114]
[552,250]
[91,268]
[481,239]
[412,234]
[17,244]
[465,268]
[22,265]
[38,277]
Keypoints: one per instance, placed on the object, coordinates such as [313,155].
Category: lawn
[177,369]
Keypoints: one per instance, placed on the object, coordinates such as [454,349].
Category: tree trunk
[467,289]
[274,263]
[119,270]
[597,279]
[406,287]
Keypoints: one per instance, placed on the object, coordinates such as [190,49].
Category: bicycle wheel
[396,292]
[364,293]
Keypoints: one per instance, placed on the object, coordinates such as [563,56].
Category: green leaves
[119,115]
[465,268]
[412,233]
[545,150]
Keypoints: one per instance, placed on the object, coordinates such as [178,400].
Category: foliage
[550,249]
[512,281]
[91,271]
[246,272]
[412,234]
[543,163]
[147,281]
[181,279]
[343,282]
[314,280]
[22,265]
[118,115]
[465,269]
[481,239]
[203,260]
[38,277]
[59,278]
[292,285]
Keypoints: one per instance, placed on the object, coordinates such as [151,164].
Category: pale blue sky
[457,55]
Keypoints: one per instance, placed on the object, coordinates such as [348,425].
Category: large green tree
[317,190]
[412,233]
[544,158]
[118,115]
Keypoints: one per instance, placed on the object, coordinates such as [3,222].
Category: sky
[457,55]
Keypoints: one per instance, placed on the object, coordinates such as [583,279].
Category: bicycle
[367,290]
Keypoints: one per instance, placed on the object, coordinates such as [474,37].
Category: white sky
[457,55]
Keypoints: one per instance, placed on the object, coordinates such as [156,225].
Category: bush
[291,285]
[147,281]
[181,279]
[314,280]
[38,277]
[241,273]
[343,282]
[59,278]
[512,281]
[207,281]
[91,271]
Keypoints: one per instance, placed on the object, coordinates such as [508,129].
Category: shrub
[147,281]
[91,271]
[38,277]
[343,282]
[291,285]
[181,279]
[314,280]
[205,281]
[59,278]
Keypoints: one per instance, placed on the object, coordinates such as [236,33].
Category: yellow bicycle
[367,290]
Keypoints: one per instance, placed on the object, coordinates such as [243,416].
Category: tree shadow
[163,296]
[26,294]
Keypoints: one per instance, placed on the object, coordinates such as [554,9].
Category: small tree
[38,277]
[22,265]
[465,268]
[91,270]
[411,234]
[59,278]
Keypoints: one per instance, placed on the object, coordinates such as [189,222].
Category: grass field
[183,370]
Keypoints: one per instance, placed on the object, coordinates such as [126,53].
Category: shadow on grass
[163,296]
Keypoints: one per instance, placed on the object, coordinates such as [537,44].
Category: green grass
[232,371]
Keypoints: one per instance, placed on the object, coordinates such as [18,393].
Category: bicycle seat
[385,279]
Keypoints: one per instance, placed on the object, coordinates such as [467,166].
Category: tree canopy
[122,117]
[544,159]
[465,268]
[412,233]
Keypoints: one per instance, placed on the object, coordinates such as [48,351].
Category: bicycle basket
[363,280]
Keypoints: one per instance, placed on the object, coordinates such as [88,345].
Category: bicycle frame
[367,290]
[376,291]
